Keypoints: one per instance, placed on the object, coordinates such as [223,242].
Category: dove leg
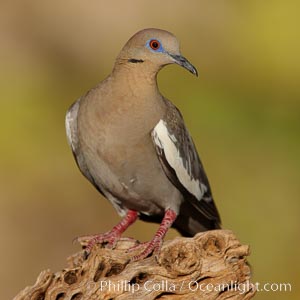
[155,244]
[110,237]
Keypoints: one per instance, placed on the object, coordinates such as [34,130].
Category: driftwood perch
[212,265]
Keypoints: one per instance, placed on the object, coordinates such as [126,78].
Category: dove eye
[154,44]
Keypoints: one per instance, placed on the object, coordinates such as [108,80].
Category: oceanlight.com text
[167,286]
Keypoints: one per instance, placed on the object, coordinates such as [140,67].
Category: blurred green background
[243,112]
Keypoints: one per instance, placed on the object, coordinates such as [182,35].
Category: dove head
[151,49]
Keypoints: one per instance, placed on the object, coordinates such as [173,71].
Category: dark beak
[182,61]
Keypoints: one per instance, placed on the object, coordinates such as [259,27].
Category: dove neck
[139,74]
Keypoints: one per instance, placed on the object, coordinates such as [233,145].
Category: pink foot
[155,244]
[110,237]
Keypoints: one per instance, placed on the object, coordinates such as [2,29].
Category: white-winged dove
[131,143]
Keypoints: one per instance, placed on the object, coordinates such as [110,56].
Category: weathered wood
[211,265]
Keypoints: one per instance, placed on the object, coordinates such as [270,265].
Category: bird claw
[83,239]
[153,246]
[137,247]
[110,238]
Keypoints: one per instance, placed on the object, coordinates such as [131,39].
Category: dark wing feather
[180,161]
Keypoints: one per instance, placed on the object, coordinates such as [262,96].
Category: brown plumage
[132,144]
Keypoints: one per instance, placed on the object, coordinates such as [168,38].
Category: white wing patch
[166,141]
[71,125]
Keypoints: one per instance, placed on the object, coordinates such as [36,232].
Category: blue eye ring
[155,45]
